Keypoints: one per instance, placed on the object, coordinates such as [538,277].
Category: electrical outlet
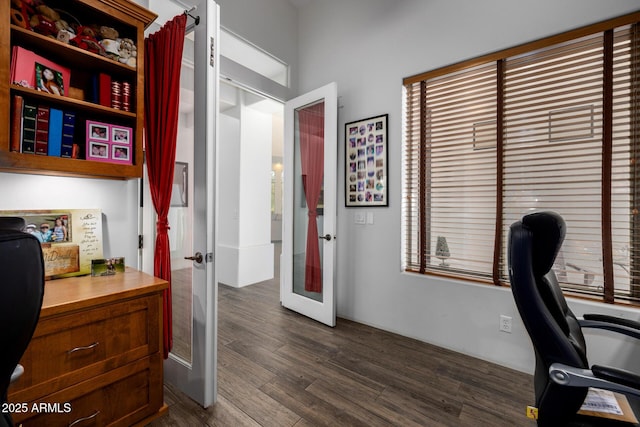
[505,323]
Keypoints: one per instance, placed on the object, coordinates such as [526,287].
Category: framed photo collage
[366,162]
[109,143]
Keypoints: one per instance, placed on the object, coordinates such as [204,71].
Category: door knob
[197,258]
[326,237]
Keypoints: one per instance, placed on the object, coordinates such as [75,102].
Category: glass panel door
[181,218]
[308,241]
[308,203]
[191,365]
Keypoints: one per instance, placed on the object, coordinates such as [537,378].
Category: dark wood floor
[277,368]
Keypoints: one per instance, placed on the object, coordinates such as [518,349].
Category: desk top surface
[75,293]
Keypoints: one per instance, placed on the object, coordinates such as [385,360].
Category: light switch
[359,217]
[369,217]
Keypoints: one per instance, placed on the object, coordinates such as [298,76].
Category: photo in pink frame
[109,143]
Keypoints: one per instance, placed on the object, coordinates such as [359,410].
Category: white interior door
[307,279]
[191,365]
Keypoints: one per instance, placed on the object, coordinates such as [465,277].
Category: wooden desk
[96,355]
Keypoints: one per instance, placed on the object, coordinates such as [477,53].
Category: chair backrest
[21,294]
[555,333]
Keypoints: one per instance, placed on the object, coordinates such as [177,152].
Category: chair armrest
[627,327]
[618,376]
[571,376]
[17,372]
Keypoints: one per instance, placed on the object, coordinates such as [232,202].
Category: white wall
[255,178]
[116,199]
[268,24]
[368,47]
[228,146]
[245,251]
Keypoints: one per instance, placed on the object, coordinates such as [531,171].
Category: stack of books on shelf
[42,129]
[111,93]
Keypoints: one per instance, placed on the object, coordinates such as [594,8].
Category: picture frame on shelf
[49,80]
[98,151]
[121,153]
[109,143]
[107,266]
[97,131]
[23,68]
[121,135]
[366,162]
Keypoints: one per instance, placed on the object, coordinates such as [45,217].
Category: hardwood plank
[253,402]
[274,363]
[278,368]
[243,367]
[371,403]
[312,409]
[473,415]
[365,417]
[437,398]
[418,410]
[225,413]
[326,370]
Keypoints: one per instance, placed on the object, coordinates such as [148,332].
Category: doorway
[250,191]
[238,108]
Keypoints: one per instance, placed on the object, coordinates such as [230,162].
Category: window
[551,125]
[248,55]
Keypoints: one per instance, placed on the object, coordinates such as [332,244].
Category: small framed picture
[98,151]
[49,80]
[97,131]
[121,135]
[107,267]
[120,153]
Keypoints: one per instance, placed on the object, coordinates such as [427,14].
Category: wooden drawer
[71,348]
[121,397]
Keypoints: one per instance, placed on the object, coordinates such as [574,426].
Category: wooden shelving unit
[130,19]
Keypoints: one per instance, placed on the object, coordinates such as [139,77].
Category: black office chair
[21,293]
[562,373]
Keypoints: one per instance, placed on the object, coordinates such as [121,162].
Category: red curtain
[163,62]
[311,123]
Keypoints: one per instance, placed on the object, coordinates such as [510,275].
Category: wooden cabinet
[130,20]
[96,354]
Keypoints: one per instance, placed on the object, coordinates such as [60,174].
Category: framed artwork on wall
[366,162]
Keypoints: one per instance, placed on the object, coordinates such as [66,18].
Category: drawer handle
[79,420]
[85,347]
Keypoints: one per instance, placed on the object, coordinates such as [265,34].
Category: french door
[307,279]
[191,365]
